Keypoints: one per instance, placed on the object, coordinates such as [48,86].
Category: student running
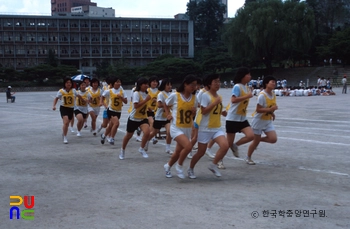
[138,118]
[66,95]
[210,126]
[184,104]
[263,117]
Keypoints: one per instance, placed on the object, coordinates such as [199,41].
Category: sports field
[302,181]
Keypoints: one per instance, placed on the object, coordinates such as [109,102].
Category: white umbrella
[80,77]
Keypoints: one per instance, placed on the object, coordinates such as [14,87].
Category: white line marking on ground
[298,167]
[313,120]
[314,141]
[312,128]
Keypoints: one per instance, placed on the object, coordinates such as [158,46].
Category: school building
[85,41]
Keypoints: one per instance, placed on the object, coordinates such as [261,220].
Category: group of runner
[189,115]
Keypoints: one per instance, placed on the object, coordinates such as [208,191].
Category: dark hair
[267,80]
[65,81]
[109,80]
[95,80]
[82,82]
[139,82]
[153,78]
[164,83]
[187,80]
[240,74]
[209,79]
[86,78]
[115,79]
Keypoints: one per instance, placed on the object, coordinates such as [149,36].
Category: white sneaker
[190,155]
[190,173]
[122,154]
[167,171]
[138,139]
[71,129]
[143,153]
[78,134]
[65,141]
[209,154]
[169,151]
[154,141]
[85,125]
[179,171]
[111,141]
[214,169]
[195,146]
[234,149]
[94,132]
[249,161]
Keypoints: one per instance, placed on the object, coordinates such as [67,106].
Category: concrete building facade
[58,6]
[85,42]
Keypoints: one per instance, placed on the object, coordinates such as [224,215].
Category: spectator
[344,84]
[10,95]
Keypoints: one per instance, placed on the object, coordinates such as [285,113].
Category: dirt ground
[302,181]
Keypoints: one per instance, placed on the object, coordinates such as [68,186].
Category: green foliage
[208,17]
[52,59]
[339,46]
[173,68]
[268,31]
[216,60]
[102,70]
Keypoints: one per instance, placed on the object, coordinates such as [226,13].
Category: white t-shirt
[172,100]
[83,109]
[344,80]
[257,123]
[106,94]
[199,94]
[205,102]
[232,112]
[162,96]
[59,95]
[136,99]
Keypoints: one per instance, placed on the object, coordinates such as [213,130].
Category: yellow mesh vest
[170,107]
[131,105]
[270,103]
[141,112]
[115,102]
[242,107]
[199,111]
[152,104]
[67,98]
[215,114]
[184,112]
[82,103]
[95,98]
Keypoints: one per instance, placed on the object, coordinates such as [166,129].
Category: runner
[184,104]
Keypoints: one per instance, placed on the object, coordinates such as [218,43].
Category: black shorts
[159,124]
[131,126]
[67,111]
[233,127]
[76,112]
[150,114]
[111,114]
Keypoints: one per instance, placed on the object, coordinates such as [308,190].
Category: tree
[268,31]
[52,59]
[173,68]
[339,46]
[217,59]
[208,18]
